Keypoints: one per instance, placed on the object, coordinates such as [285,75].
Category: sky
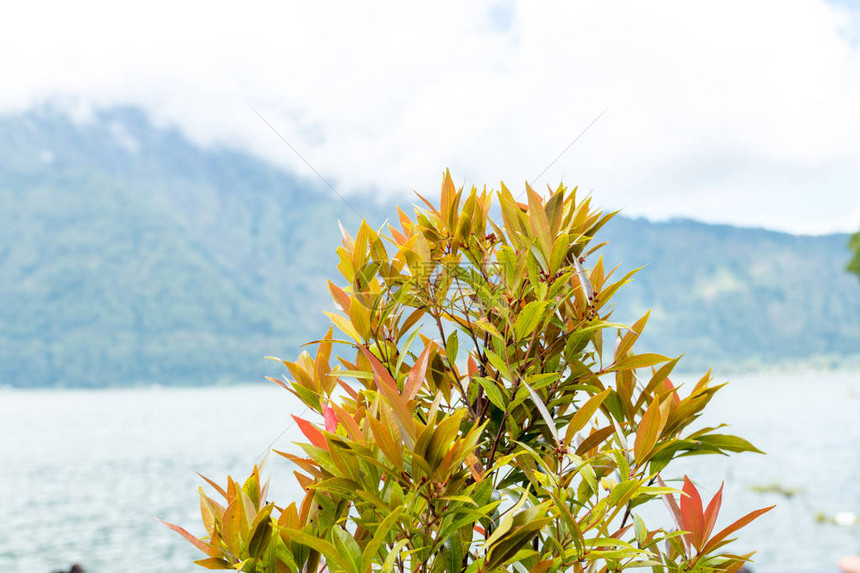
[737,112]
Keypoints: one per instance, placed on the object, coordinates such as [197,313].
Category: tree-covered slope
[129,255]
[145,259]
[739,298]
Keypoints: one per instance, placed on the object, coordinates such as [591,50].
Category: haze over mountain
[129,255]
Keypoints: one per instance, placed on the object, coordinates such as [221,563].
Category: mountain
[129,255]
[739,298]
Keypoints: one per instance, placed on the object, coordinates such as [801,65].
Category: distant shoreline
[819,365]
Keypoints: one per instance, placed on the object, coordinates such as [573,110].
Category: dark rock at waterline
[75,569]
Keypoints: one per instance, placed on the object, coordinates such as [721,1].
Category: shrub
[854,247]
[473,421]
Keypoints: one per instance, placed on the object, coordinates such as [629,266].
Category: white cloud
[733,111]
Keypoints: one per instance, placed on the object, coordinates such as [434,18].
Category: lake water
[85,474]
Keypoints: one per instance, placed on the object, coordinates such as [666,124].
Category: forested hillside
[129,255]
[739,298]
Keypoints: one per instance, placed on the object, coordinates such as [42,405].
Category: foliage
[854,246]
[510,440]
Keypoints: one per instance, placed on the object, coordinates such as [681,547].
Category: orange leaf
[321,365]
[475,467]
[304,481]
[352,393]
[539,222]
[399,238]
[667,387]
[583,415]
[213,563]
[348,422]
[416,375]
[649,431]
[311,432]
[340,297]
[217,487]
[388,387]
[385,441]
[473,368]
[278,382]
[306,464]
[594,439]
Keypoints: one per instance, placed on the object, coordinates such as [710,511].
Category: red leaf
[735,526]
[330,419]
[712,511]
[198,543]
[311,432]
[692,516]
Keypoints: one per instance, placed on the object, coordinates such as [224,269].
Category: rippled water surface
[85,474]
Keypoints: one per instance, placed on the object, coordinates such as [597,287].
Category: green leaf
[493,392]
[347,547]
[538,381]
[639,529]
[498,363]
[529,318]
[637,361]
[261,530]
[728,443]
[550,423]
[559,251]
[587,473]
[324,547]
[453,554]
[379,536]
[451,347]
[622,492]
[506,523]
[388,564]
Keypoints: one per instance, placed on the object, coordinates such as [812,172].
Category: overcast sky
[740,112]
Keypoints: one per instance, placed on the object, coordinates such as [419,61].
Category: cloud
[734,111]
